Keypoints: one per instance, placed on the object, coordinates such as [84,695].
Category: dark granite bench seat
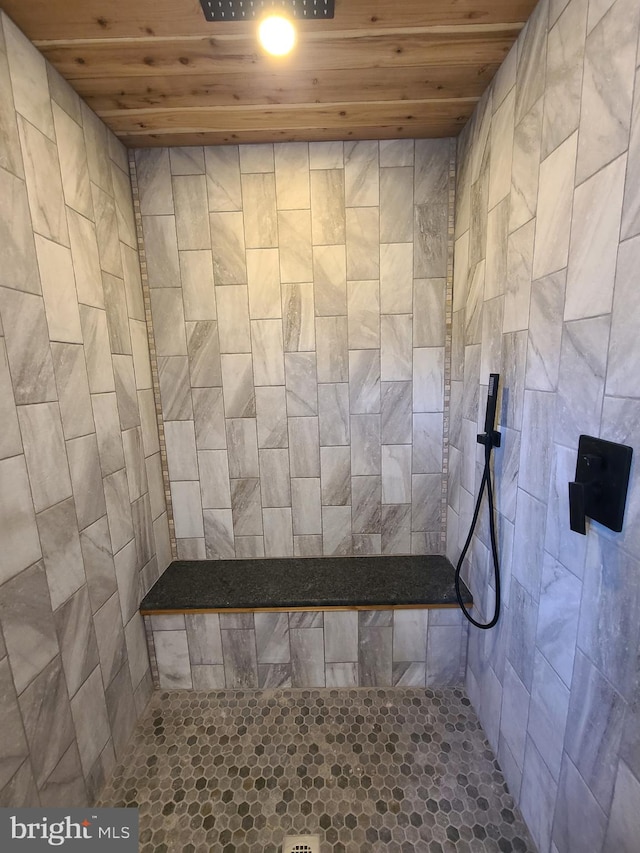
[301,583]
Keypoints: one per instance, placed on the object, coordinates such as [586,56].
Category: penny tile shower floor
[366,770]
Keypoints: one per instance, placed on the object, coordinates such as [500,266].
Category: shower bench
[306,622]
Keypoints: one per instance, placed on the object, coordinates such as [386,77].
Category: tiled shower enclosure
[298,300]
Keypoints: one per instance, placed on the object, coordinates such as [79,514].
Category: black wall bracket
[600,487]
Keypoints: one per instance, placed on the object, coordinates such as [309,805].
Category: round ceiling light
[277,35]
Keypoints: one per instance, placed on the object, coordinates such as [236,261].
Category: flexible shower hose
[486,482]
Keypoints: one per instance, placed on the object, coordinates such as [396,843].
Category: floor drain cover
[301,844]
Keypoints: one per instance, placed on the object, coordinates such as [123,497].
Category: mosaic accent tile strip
[366,770]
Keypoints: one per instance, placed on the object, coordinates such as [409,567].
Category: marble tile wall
[345,648]
[298,303]
[83,525]
[547,249]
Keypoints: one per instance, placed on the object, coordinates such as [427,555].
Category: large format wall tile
[552,683]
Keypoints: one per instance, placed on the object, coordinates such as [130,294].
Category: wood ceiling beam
[86,19]
[207,55]
[243,89]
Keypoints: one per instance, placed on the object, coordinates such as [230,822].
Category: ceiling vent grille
[249,10]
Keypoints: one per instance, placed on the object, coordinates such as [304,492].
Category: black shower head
[249,10]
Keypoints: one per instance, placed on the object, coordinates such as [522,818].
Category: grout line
[152,355]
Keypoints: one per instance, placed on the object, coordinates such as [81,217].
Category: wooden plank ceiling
[159,74]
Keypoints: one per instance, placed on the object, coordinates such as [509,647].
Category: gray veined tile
[45,454]
[396,529]
[620,380]
[427,443]
[192,222]
[106,220]
[27,624]
[126,394]
[607,89]
[527,142]
[222,167]
[203,637]
[237,384]
[496,260]
[47,719]
[233,319]
[364,381]
[363,314]
[409,674]
[73,389]
[522,631]
[121,710]
[461,272]
[97,351]
[203,348]
[530,73]
[475,304]
[396,278]
[156,485]
[396,205]
[116,308]
[341,637]
[259,206]
[621,833]
[134,461]
[213,467]
[335,466]
[208,677]
[331,349]
[631,209]
[557,628]
[537,796]
[96,141]
[430,245]
[501,144]
[395,347]
[108,432]
[59,291]
[515,711]
[122,195]
[228,248]
[307,657]
[271,416]
[208,415]
[365,444]
[10,439]
[73,163]
[14,747]
[28,350]
[187,510]
[363,239]
[326,155]
[307,546]
[172,656]
[116,492]
[593,251]
[11,157]
[192,549]
[28,79]
[296,256]
[396,409]
[240,662]
[278,535]
[175,389]
[198,296]
[333,409]
[396,473]
[263,279]
[304,447]
[78,645]
[306,506]
[520,256]
[86,479]
[432,157]
[128,580]
[327,207]
[168,321]
[330,280]
[246,507]
[275,478]
[545,332]
[336,531]
[256,158]
[555,202]
[292,175]
[268,352]
[396,152]
[410,635]
[428,379]
[58,531]
[374,656]
[249,547]
[528,552]
[154,181]
[140,352]
[110,636]
[218,534]
[138,655]
[429,312]
[161,245]
[18,266]
[426,513]
[86,260]
[298,317]
[301,384]
[95,543]
[366,493]
[537,431]
[579,821]
[182,461]
[361,173]
[44,186]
